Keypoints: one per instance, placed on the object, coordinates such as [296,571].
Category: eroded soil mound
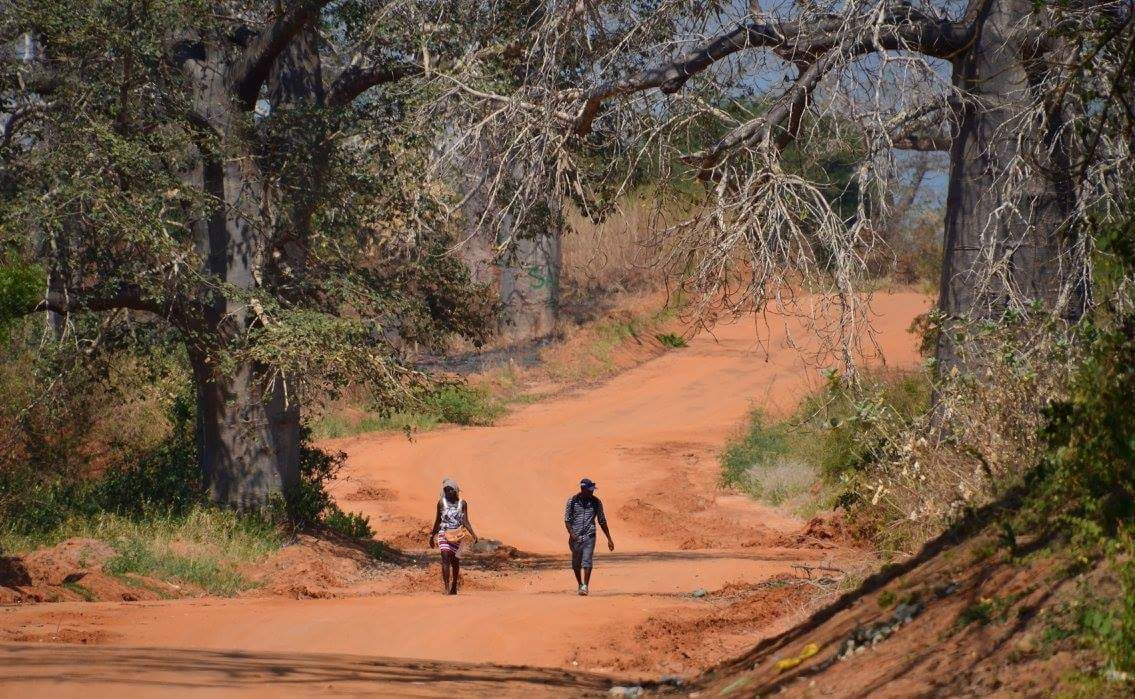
[70,570]
[314,567]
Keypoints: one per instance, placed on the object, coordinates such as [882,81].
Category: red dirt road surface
[649,437]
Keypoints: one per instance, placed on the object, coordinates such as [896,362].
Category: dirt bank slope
[964,617]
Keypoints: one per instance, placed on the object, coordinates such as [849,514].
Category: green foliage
[445,403]
[832,437]
[850,421]
[349,524]
[165,480]
[671,340]
[1086,480]
[20,286]
[310,505]
[462,404]
[760,447]
[114,183]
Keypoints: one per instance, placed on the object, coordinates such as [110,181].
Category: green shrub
[462,404]
[1084,487]
[758,448]
[1086,480]
[671,340]
[835,434]
[20,287]
[310,505]
[849,423]
[444,403]
[349,524]
[165,480]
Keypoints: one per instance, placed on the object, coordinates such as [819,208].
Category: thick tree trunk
[1006,243]
[529,285]
[248,436]
[527,276]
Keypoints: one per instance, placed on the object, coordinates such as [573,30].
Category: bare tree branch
[788,108]
[905,29]
[928,143]
[252,70]
[357,79]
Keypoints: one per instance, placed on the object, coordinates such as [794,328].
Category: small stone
[699,593]
[1113,675]
[906,611]
[617,691]
[946,590]
[671,680]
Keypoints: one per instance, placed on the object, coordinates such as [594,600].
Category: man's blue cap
[587,484]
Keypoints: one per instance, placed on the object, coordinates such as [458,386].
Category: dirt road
[649,437]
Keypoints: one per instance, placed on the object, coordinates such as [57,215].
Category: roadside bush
[444,403]
[848,424]
[671,340]
[1086,479]
[816,455]
[310,505]
[19,288]
[462,404]
[756,450]
[165,480]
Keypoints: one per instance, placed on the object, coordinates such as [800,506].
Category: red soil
[649,437]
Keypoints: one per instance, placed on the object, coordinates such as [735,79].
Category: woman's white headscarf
[450,483]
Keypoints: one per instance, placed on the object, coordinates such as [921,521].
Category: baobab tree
[244,173]
[1032,102]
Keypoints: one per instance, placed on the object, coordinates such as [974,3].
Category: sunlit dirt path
[649,437]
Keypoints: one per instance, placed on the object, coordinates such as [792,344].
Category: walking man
[580,515]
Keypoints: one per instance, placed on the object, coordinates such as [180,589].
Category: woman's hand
[433,541]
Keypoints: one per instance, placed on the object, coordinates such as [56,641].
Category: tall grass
[620,253]
[455,404]
[810,459]
[203,548]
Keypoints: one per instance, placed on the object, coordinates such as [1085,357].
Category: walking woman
[451,528]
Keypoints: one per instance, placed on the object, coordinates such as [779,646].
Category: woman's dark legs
[450,572]
[446,557]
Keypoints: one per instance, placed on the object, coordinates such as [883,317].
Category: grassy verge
[204,547]
[456,404]
[156,516]
[806,461]
[592,354]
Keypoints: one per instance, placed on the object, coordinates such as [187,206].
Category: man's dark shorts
[582,551]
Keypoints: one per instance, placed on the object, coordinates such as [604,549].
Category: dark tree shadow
[185,668]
